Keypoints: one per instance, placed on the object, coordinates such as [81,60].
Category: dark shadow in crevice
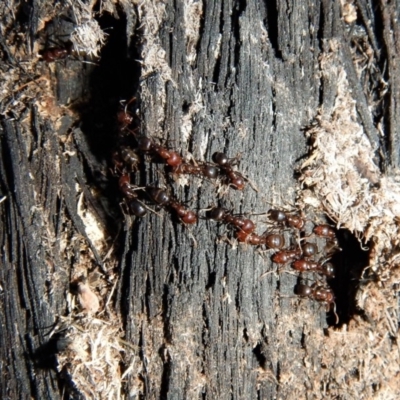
[237,12]
[167,372]
[260,357]
[116,78]
[216,73]
[167,300]
[349,263]
[271,24]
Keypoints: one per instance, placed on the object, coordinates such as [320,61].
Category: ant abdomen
[159,196]
[137,208]
[309,249]
[274,241]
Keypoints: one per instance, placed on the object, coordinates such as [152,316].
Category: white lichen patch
[192,15]
[151,15]
[94,356]
[349,11]
[87,36]
[186,124]
[93,228]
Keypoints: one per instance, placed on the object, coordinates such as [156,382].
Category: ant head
[124,118]
[236,181]
[189,218]
[124,179]
[247,226]
[130,156]
[174,159]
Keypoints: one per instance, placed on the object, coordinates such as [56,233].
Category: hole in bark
[235,23]
[166,374]
[271,24]
[350,263]
[261,359]
[116,78]
[185,107]
[211,280]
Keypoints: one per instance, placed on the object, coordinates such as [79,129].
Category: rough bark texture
[206,324]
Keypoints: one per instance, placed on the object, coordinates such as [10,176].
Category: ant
[147,145]
[221,214]
[303,265]
[273,241]
[125,155]
[319,293]
[327,232]
[205,170]
[162,198]
[129,191]
[289,219]
[57,53]
[124,117]
[285,256]
[324,231]
[235,178]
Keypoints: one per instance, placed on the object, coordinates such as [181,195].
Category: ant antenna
[334,312]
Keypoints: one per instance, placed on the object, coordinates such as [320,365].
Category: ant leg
[251,183]
[149,208]
[264,274]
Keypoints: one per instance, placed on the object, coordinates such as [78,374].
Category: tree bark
[239,77]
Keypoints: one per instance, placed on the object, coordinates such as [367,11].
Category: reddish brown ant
[126,187]
[124,117]
[303,265]
[162,198]
[319,293]
[204,170]
[235,178]
[223,215]
[325,231]
[57,53]
[273,240]
[285,218]
[147,145]
[285,256]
